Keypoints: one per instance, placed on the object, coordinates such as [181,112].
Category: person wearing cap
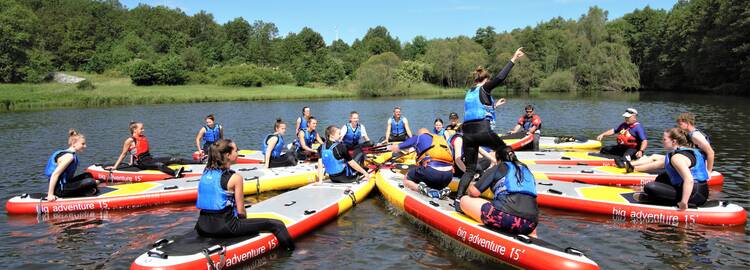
[631,137]
[397,128]
[453,126]
[531,124]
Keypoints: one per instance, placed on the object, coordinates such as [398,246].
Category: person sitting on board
[336,161]
[631,138]
[61,168]
[531,124]
[302,120]
[438,128]
[140,157]
[701,140]
[454,126]
[434,170]
[397,128]
[513,208]
[306,138]
[484,161]
[221,200]
[273,148]
[208,134]
[685,180]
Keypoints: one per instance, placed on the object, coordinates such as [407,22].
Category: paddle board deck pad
[553,143]
[136,195]
[619,203]
[519,251]
[244,156]
[301,210]
[134,174]
[565,158]
[601,175]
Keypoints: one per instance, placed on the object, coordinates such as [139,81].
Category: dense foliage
[700,45]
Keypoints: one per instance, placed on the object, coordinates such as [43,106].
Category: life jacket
[698,170]
[212,134]
[397,127]
[626,138]
[69,171]
[210,194]
[277,149]
[452,127]
[441,132]
[352,135]
[708,139]
[474,108]
[309,139]
[452,141]
[140,149]
[528,122]
[437,151]
[511,183]
[302,123]
[332,165]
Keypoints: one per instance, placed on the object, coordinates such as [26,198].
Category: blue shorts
[431,177]
[493,217]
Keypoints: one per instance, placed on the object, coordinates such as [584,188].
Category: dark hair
[329,130]
[312,118]
[133,125]
[679,135]
[211,116]
[304,108]
[217,154]
[438,120]
[507,155]
[529,107]
[453,115]
[278,123]
[353,112]
[480,74]
[397,108]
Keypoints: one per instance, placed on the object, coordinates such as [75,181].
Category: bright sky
[405,19]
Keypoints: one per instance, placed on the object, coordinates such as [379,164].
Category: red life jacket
[527,122]
[141,147]
[626,138]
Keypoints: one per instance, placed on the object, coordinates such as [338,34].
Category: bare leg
[472,207]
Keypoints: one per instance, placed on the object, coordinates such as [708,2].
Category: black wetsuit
[479,132]
[224,223]
[662,192]
[148,162]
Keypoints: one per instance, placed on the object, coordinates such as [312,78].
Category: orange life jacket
[626,138]
[438,151]
[141,147]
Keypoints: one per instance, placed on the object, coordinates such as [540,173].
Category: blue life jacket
[352,135]
[212,134]
[332,165]
[474,108]
[302,123]
[699,171]
[276,149]
[210,194]
[441,132]
[69,171]
[309,139]
[510,183]
[398,127]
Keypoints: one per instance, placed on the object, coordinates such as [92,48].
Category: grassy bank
[118,91]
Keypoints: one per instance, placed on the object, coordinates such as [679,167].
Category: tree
[592,25]
[16,36]
[485,37]
[608,67]
[451,60]
[415,49]
[378,40]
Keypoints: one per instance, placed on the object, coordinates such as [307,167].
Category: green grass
[113,90]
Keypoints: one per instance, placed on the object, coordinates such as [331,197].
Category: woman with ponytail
[138,147]
[336,161]
[61,168]
[479,120]
[684,182]
[221,200]
[273,148]
[514,208]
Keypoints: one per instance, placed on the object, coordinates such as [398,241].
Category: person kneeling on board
[222,201]
[336,161]
[61,168]
[434,170]
[273,148]
[514,208]
[684,182]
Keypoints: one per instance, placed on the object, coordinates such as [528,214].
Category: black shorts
[431,177]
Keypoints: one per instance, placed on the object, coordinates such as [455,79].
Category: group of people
[464,150]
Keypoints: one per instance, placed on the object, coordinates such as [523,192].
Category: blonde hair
[686,117]
[480,74]
[134,125]
[74,136]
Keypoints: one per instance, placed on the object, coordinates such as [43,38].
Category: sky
[405,19]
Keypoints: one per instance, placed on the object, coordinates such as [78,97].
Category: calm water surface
[372,235]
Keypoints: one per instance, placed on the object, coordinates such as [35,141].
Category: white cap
[629,112]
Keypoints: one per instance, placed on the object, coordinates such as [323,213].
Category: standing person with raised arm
[479,120]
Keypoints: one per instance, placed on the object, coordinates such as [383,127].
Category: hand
[51,198]
[109,168]
[517,55]
[682,206]
[600,137]
[366,177]
[639,154]
[393,148]
[200,152]
[499,102]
